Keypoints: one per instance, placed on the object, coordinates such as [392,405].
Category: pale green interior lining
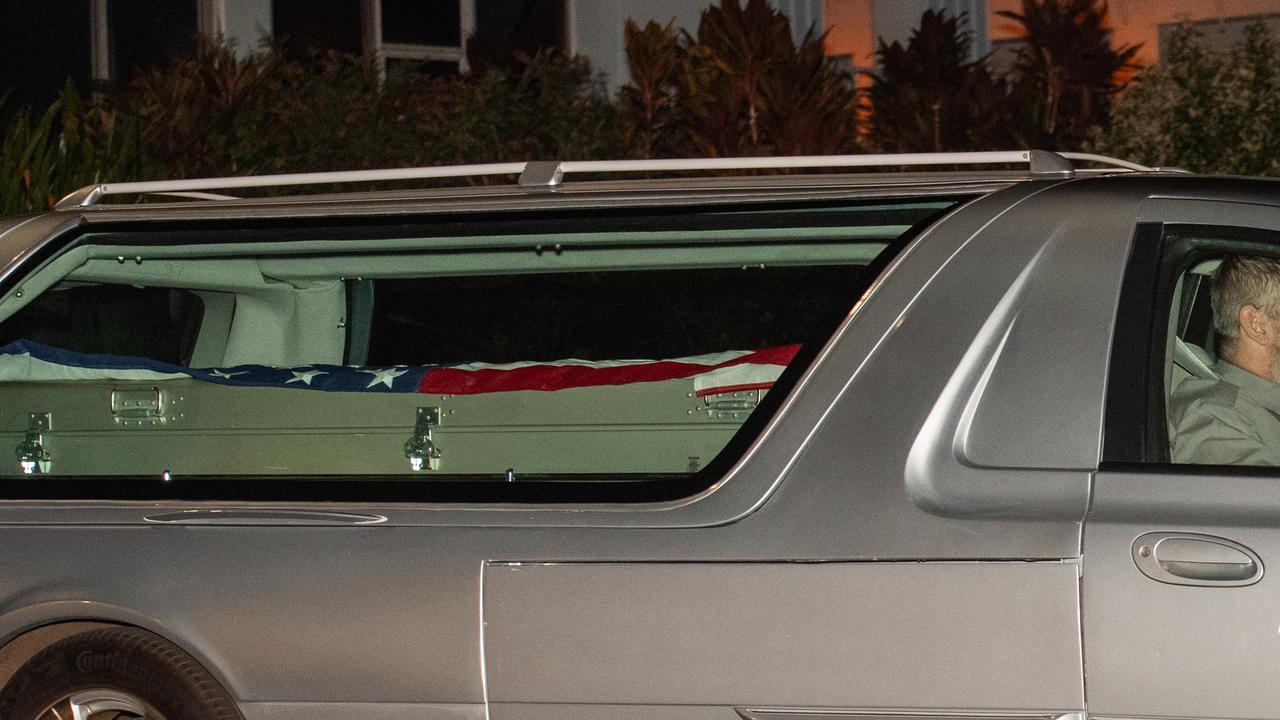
[289,301]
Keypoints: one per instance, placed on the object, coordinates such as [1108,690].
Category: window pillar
[213,18]
[100,61]
[467,17]
[371,36]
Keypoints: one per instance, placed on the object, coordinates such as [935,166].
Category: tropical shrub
[1068,72]
[741,86]
[650,115]
[1203,110]
[214,113]
[929,96]
[68,146]
[547,107]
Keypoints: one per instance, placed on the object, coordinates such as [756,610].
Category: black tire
[133,662]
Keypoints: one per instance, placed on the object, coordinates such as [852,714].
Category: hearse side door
[1180,595]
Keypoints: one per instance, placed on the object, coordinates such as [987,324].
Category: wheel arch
[29,629]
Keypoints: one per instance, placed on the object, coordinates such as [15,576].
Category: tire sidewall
[133,662]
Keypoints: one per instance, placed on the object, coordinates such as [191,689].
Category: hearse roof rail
[537,174]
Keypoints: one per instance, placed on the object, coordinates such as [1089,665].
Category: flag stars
[304,376]
[226,375]
[386,376]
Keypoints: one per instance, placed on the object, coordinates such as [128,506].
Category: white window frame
[379,51]
[211,21]
[100,37]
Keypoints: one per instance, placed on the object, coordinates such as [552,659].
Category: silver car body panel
[823,635]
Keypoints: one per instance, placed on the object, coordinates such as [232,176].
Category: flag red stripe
[456,381]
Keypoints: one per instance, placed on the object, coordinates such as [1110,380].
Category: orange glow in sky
[1132,21]
[849,30]
[1138,21]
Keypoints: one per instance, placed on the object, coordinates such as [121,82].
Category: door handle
[1194,559]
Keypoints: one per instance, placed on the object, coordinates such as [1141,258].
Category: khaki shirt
[1232,421]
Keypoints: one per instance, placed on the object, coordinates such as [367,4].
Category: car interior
[142,359]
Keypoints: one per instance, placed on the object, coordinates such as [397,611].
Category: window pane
[422,23]
[527,25]
[155,323]
[507,29]
[1221,366]
[605,315]
[308,26]
[45,44]
[145,33]
[587,350]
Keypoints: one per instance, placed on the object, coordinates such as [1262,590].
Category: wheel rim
[100,704]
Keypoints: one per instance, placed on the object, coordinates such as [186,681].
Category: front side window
[1224,395]
[622,352]
[1215,370]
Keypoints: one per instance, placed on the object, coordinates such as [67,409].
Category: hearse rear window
[453,360]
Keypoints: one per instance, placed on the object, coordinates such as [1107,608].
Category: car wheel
[114,674]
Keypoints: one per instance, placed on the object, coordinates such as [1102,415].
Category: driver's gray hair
[1244,280]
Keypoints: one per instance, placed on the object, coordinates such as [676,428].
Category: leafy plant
[1067,71]
[928,96]
[656,59]
[549,107]
[68,146]
[209,114]
[740,87]
[1203,110]
[809,104]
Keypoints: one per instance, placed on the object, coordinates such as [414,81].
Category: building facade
[96,42]
[101,42]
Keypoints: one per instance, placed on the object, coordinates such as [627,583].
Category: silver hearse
[885,442]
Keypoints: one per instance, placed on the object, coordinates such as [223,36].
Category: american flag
[711,374]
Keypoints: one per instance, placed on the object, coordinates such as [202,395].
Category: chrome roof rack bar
[544,174]
[87,196]
[1106,160]
[194,195]
[1037,159]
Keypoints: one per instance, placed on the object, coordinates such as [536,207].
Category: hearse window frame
[400,489]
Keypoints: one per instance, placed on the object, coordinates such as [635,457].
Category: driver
[1235,419]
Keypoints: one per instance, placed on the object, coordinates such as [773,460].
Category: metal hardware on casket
[732,405]
[421,449]
[138,405]
[32,454]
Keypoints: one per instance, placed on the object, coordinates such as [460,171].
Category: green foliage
[549,108]
[331,114]
[206,114]
[68,146]
[1204,111]
[809,106]
[222,113]
[1067,70]
[219,114]
[740,87]
[656,60]
[929,97]
[736,49]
